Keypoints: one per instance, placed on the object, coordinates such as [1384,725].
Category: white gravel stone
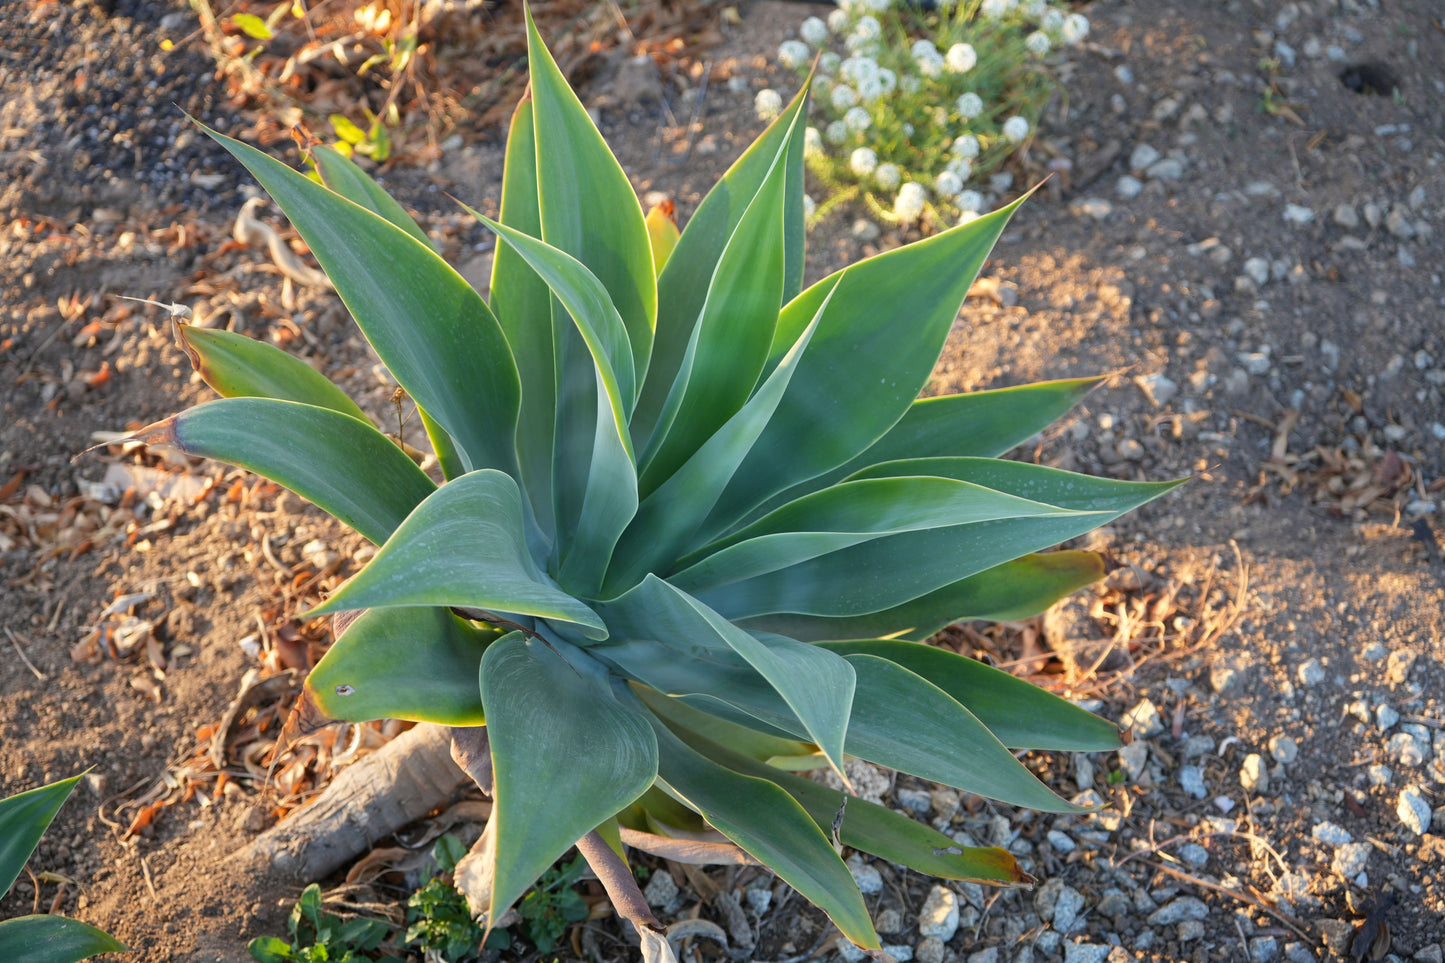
[759,898]
[1194,854]
[1095,207]
[1134,759]
[1160,391]
[849,953]
[989,955]
[1191,780]
[1263,949]
[1386,716]
[1085,952]
[1128,187]
[1061,841]
[869,880]
[1169,169]
[1407,749]
[1257,270]
[1284,749]
[1253,775]
[1351,859]
[1374,652]
[1379,775]
[1066,911]
[1346,217]
[1331,834]
[661,890]
[1190,930]
[930,949]
[1414,811]
[1311,673]
[1143,156]
[901,952]
[939,916]
[1145,719]
[1298,214]
[1178,910]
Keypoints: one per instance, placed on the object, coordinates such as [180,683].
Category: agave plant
[693,521]
[40,938]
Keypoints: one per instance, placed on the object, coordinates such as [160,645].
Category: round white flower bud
[969,201]
[867,28]
[909,204]
[961,58]
[829,62]
[857,119]
[970,105]
[813,31]
[1037,43]
[1016,129]
[838,20]
[843,97]
[948,184]
[863,161]
[1075,28]
[812,142]
[793,54]
[809,206]
[836,132]
[965,145]
[888,176]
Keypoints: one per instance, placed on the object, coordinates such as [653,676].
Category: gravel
[1414,811]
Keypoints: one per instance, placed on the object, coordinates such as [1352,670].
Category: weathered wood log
[399,783]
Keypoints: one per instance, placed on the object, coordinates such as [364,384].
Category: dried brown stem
[1294,925]
[621,886]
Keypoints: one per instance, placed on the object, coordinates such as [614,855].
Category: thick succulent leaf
[236,366]
[448,458]
[342,175]
[565,753]
[867,826]
[53,939]
[1018,589]
[589,209]
[686,278]
[848,515]
[817,687]
[24,817]
[587,301]
[435,334]
[523,305]
[887,316]
[667,519]
[1021,715]
[464,545]
[731,339]
[769,824]
[898,718]
[981,423]
[757,745]
[408,662]
[890,571]
[306,449]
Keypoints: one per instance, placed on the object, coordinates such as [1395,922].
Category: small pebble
[929,950]
[1351,859]
[1134,759]
[1263,949]
[1066,910]
[1330,834]
[1145,719]
[989,955]
[1191,780]
[1095,207]
[1178,910]
[901,952]
[1414,811]
[1085,952]
[1194,854]
[1252,774]
[759,898]
[1346,217]
[1128,187]
[1311,673]
[939,915]
[1284,749]
[1061,841]
[1386,716]
[1257,270]
[1169,169]
[869,880]
[1143,156]
[661,890]
[1379,775]
[1407,749]
[1298,214]
[1190,930]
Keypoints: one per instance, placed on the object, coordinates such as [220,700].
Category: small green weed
[437,916]
[321,937]
[548,909]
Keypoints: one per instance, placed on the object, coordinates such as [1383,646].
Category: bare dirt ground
[1247,236]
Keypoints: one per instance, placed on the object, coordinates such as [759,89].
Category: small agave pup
[694,522]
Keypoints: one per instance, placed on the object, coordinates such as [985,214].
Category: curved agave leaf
[1014,590]
[523,305]
[409,662]
[866,826]
[236,366]
[817,688]
[580,186]
[464,545]
[1021,715]
[565,753]
[667,519]
[750,742]
[54,939]
[897,716]
[685,279]
[979,423]
[24,817]
[432,331]
[341,174]
[769,824]
[301,446]
[887,316]
[662,231]
[847,515]
[731,338]
[890,571]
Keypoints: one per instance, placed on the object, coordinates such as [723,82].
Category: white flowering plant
[916,110]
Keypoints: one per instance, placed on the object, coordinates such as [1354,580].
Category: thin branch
[1293,924]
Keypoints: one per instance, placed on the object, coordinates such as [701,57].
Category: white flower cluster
[908,206]
[768,103]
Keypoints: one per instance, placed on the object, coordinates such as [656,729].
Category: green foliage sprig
[917,108]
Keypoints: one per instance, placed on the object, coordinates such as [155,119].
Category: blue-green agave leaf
[465,545]
[53,939]
[342,175]
[24,817]
[566,755]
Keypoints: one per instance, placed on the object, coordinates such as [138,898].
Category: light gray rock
[1257,270]
[1434,953]
[1190,930]
[1178,910]
[868,879]
[1414,811]
[1386,716]
[1061,841]
[1194,854]
[1143,156]
[889,921]
[1283,749]
[1330,834]
[1298,214]
[929,950]
[1253,775]
[1263,949]
[914,800]
[1145,719]
[990,955]
[1160,391]
[759,899]
[901,952]
[1128,187]
[1169,169]
[1095,207]
[1067,909]
[1351,859]
[661,890]
[1311,673]
[1408,750]
[1191,780]
[1346,217]
[1085,952]
[939,915]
